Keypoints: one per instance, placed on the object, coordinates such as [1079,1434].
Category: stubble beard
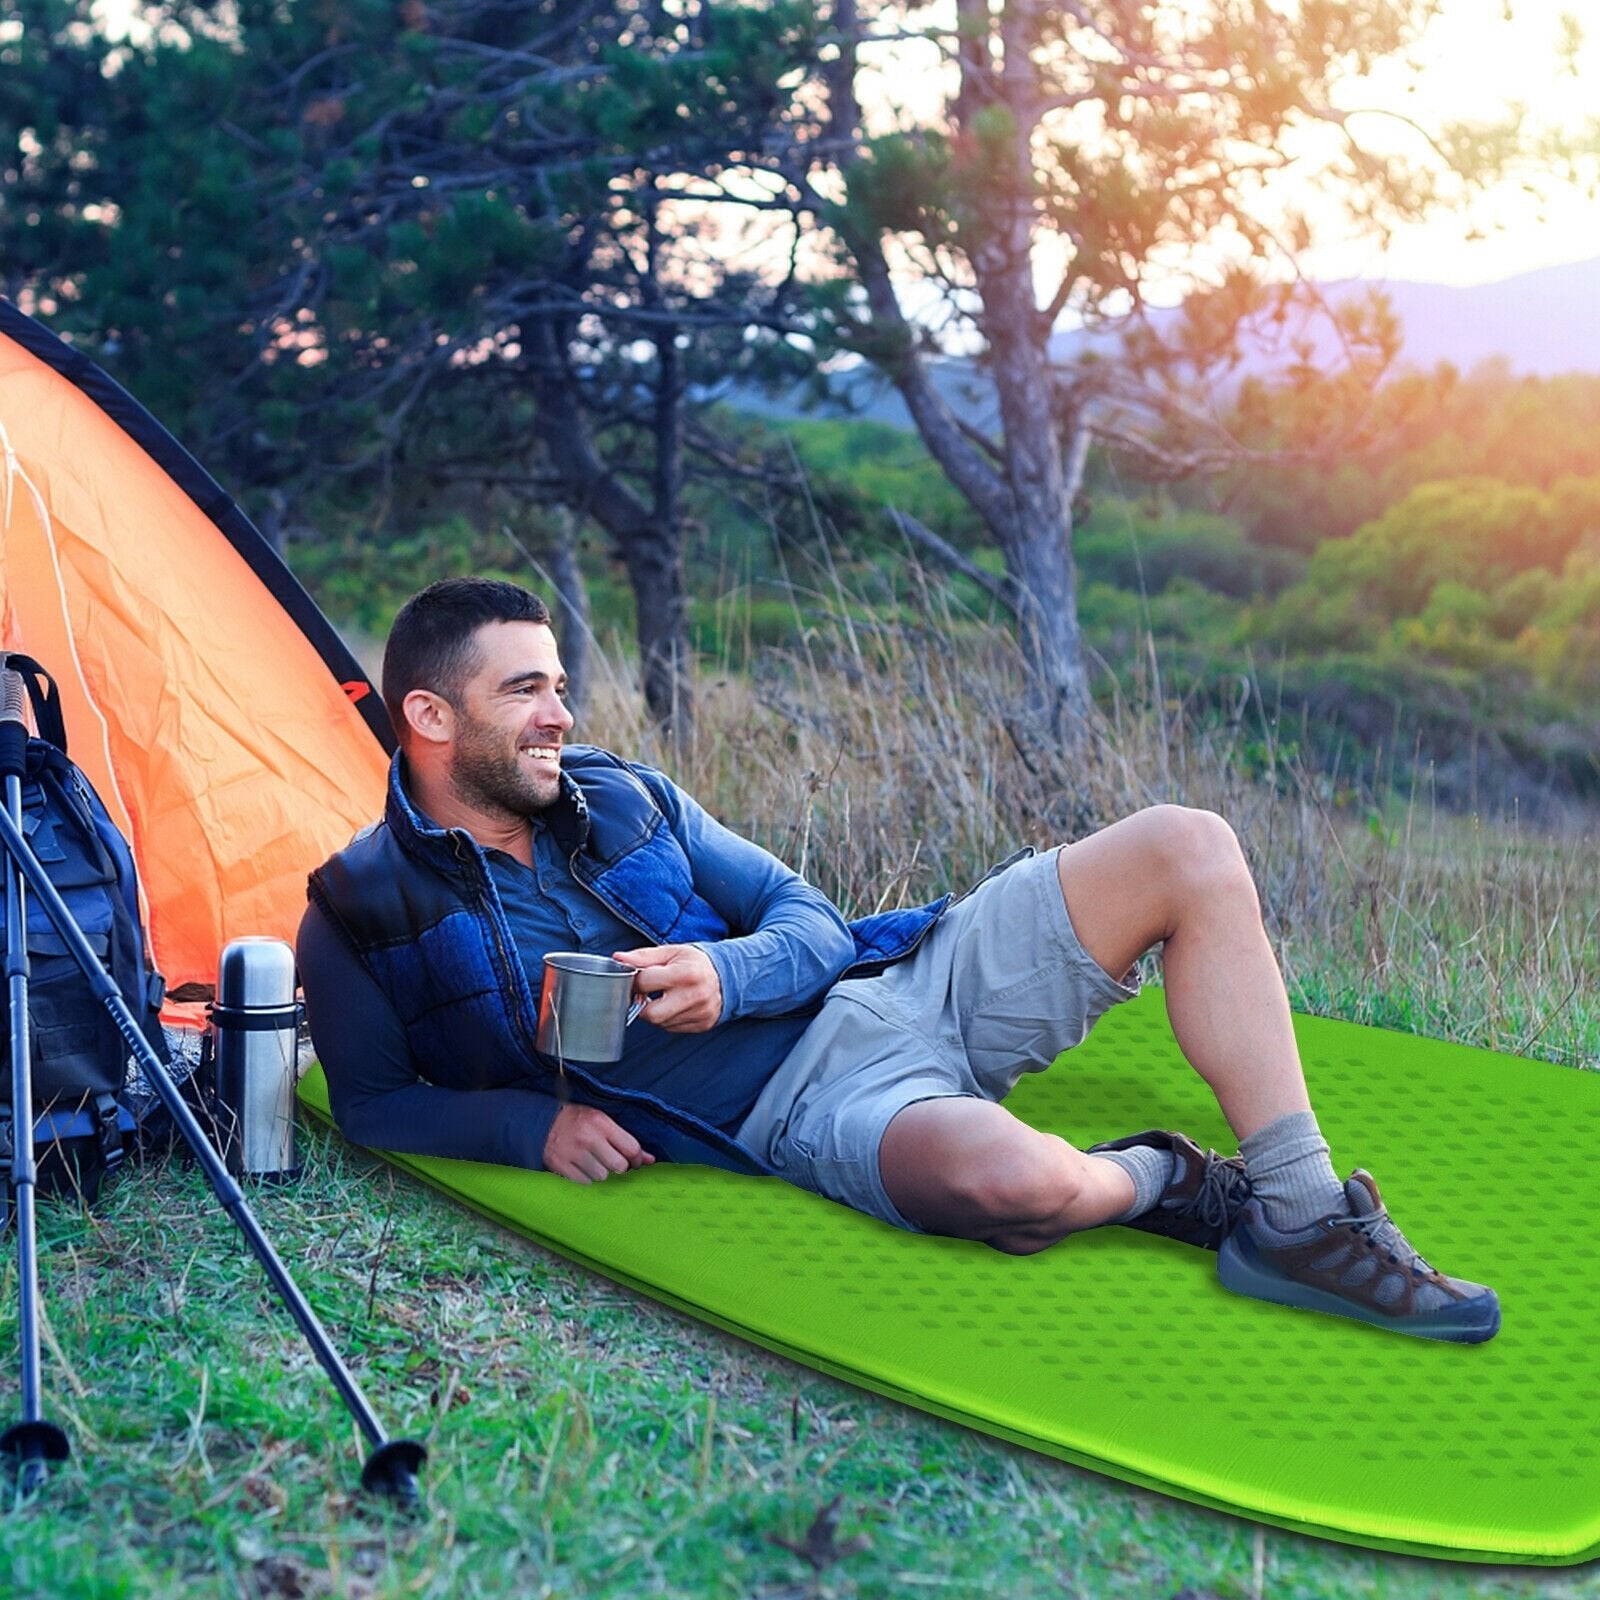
[490,776]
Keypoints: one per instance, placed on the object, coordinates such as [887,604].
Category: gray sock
[1287,1162]
[1151,1170]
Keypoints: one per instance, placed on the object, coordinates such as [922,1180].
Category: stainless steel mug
[255,1025]
[585,1006]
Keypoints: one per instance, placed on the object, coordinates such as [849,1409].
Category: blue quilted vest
[417,905]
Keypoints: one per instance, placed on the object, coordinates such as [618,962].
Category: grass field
[585,1441]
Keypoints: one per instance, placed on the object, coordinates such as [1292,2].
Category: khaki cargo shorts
[1000,986]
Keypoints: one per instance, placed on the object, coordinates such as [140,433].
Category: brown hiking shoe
[1205,1196]
[1356,1263]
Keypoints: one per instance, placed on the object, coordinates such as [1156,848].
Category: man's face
[510,721]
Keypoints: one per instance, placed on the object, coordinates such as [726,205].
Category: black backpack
[80,1061]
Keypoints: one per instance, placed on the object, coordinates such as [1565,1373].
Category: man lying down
[866,1062]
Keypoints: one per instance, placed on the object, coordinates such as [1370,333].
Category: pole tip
[35,1446]
[391,1471]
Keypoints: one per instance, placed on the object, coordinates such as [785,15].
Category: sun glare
[1484,60]
[1479,60]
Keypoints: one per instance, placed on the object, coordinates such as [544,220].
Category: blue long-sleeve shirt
[787,946]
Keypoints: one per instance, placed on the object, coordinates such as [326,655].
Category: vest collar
[568,819]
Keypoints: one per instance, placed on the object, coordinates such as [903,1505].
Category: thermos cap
[255,971]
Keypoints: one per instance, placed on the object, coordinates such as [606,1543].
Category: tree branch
[1004,590]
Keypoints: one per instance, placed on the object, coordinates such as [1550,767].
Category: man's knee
[967,1167]
[1200,852]
[1024,1189]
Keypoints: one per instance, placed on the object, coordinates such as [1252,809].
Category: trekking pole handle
[13,725]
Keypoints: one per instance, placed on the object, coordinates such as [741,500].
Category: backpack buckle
[108,1131]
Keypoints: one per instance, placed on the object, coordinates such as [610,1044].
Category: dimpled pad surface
[1121,1352]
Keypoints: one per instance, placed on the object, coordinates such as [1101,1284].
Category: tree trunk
[572,595]
[1036,535]
[665,657]
[1021,487]
[650,545]
[1040,563]
[655,570]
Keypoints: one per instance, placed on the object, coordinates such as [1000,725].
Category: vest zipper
[471,859]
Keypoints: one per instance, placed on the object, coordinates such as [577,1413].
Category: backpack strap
[43,694]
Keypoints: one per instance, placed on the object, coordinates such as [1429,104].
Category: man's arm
[789,941]
[379,1100]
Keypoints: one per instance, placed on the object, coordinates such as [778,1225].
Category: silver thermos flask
[255,1027]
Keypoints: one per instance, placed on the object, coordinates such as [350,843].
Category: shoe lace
[1380,1230]
[1224,1188]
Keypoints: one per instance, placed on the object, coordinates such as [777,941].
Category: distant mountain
[1540,323]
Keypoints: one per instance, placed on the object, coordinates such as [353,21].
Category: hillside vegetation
[1422,609]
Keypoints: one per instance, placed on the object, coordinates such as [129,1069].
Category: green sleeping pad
[1120,1351]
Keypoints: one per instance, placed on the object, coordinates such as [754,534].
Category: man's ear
[429,716]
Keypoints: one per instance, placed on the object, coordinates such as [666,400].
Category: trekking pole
[32,1442]
[391,1468]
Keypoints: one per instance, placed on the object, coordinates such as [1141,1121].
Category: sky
[1475,63]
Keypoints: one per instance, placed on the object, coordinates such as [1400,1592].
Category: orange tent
[232,736]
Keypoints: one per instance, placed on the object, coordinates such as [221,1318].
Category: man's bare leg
[969,1168]
[1169,876]
[1177,877]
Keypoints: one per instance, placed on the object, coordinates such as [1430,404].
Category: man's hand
[685,993]
[585,1145]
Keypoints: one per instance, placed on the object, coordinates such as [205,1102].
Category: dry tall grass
[891,762]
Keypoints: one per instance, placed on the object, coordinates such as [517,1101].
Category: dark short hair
[430,645]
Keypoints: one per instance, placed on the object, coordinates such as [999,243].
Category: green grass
[583,1441]
[1446,927]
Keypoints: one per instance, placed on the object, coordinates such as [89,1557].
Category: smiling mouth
[542,752]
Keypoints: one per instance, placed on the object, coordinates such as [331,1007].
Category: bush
[1146,548]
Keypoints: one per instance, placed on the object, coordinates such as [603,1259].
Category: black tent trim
[213,500]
